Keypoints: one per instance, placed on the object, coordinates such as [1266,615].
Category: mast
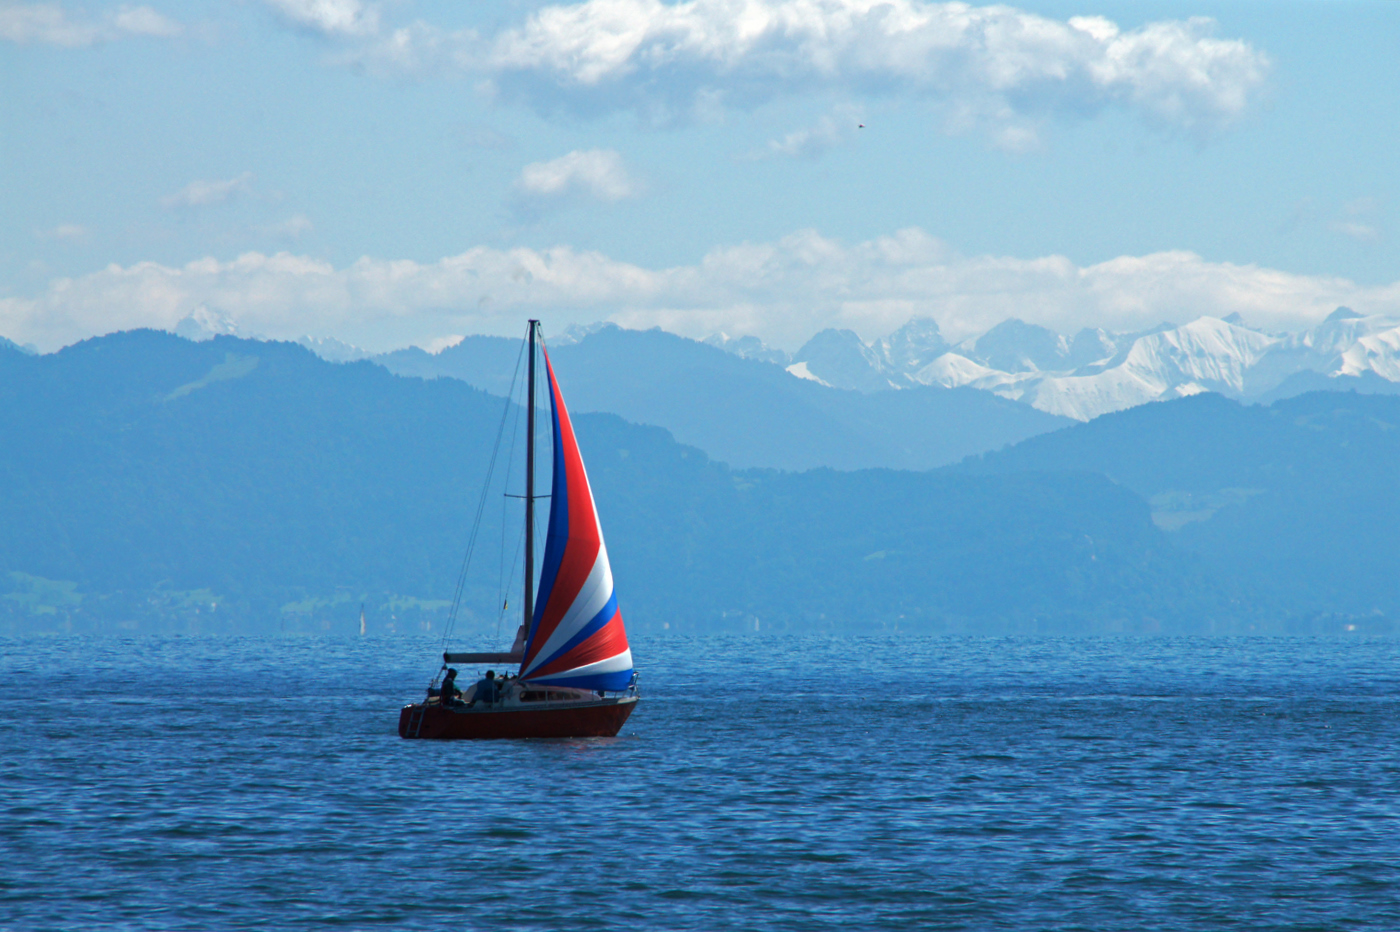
[530,485]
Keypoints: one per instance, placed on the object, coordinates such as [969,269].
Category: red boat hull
[603,719]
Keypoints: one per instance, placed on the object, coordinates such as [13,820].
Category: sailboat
[575,676]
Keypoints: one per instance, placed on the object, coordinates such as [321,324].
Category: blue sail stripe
[611,682]
[594,625]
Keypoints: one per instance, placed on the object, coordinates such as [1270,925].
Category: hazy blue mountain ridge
[1296,500]
[140,460]
[745,412]
[237,485]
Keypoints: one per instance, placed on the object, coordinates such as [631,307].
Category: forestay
[576,635]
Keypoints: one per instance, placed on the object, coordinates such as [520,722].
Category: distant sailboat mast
[362,619]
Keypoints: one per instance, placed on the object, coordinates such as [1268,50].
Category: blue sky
[397,172]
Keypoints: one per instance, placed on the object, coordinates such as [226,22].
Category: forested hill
[151,483]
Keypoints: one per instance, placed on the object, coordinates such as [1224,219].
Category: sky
[397,172]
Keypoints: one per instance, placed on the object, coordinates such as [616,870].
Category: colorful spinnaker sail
[576,635]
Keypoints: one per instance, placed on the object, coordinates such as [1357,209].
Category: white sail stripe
[613,664]
[591,598]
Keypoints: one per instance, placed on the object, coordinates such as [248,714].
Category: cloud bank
[50,24]
[783,291]
[991,67]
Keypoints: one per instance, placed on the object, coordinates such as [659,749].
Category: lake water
[890,783]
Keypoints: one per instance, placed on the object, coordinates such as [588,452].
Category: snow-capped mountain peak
[1207,350]
[205,323]
[1378,353]
[1016,346]
[841,359]
[912,346]
[748,347]
[1207,354]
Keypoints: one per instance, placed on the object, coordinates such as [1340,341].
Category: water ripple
[879,783]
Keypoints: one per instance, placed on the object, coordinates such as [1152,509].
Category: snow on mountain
[911,347]
[1016,346]
[1207,354]
[841,359]
[1098,372]
[800,370]
[1090,346]
[952,370]
[1378,353]
[748,348]
[1095,372]
[1335,335]
[205,323]
[574,333]
[1208,351]
[332,350]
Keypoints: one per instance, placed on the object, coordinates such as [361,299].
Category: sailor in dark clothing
[486,690]
[449,691]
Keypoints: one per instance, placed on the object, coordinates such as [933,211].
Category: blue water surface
[849,783]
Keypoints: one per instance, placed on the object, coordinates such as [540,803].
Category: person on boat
[449,691]
[486,690]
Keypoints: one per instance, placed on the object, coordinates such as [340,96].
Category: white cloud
[44,23]
[204,193]
[596,173]
[992,66]
[294,227]
[995,69]
[1358,219]
[783,291]
[329,17]
[1361,232]
[418,48]
[144,21]
[64,231]
[826,133]
[50,24]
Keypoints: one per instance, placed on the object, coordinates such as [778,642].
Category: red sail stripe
[581,551]
[608,641]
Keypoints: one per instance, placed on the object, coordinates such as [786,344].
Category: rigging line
[480,508]
[502,600]
[502,581]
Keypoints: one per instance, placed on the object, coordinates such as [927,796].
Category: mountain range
[743,411]
[1077,378]
[152,483]
[238,485]
[1097,372]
